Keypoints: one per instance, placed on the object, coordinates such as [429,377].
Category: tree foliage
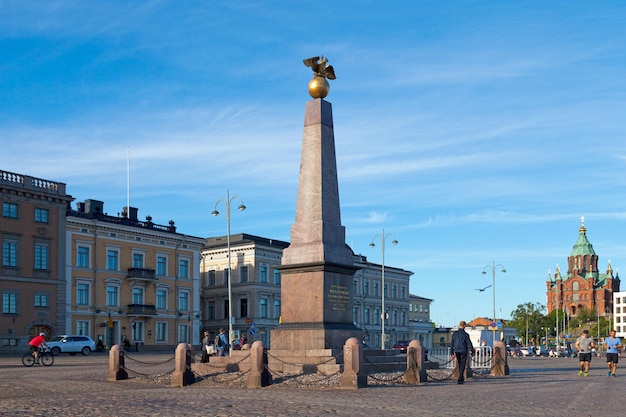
[529,320]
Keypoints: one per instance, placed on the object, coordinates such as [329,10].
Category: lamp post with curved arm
[382,237]
[227,201]
[493,267]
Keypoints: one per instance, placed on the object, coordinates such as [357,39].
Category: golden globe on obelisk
[318,267]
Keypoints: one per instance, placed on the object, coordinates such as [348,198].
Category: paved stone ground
[77,386]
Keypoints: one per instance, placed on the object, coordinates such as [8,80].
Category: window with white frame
[138,259]
[9,253]
[82,256]
[113,259]
[161,298]
[82,327]
[137,295]
[42,300]
[9,302]
[243,274]
[41,256]
[112,295]
[137,331]
[183,300]
[82,293]
[263,273]
[41,215]
[183,268]
[183,333]
[263,308]
[161,265]
[161,332]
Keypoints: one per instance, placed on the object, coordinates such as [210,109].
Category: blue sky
[475,131]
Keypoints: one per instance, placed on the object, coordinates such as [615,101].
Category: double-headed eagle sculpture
[318,86]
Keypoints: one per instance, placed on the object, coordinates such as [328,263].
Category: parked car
[524,351]
[401,345]
[71,344]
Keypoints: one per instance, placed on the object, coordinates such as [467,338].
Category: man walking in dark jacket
[461,347]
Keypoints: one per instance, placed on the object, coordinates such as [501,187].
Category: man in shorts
[584,344]
[613,345]
[36,342]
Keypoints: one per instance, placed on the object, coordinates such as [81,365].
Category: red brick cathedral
[583,285]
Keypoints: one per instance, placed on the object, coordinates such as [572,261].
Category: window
[385,289]
[211,277]
[183,333]
[376,294]
[355,286]
[263,308]
[263,273]
[9,302]
[403,318]
[575,286]
[376,316]
[82,293]
[243,307]
[366,287]
[41,215]
[161,298]
[225,276]
[41,256]
[112,295]
[9,210]
[243,273]
[137,333]
[183,268]
[82,257]
[137,295]
[366,315]
[277,309]
[161,266]
[394,291]
[82,327]
[225,304]
[41,300]
[402,292]
[210,311]
[355,314]
[394,318]
[183,301]
[276,277]
[137,260]
[113,260]
[9,253]
[161,332]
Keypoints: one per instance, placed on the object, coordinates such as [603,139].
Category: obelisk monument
[318,267]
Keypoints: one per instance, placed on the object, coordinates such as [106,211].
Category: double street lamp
[493,267]
[383,315]
[227,201]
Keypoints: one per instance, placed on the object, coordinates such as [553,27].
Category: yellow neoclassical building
[131,280]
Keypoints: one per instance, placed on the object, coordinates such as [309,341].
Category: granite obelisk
[318,267]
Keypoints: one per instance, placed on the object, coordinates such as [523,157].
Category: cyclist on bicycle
[36,343]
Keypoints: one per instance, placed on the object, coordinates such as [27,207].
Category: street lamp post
[383,236]
[493,286]
[241,207]
[557,306]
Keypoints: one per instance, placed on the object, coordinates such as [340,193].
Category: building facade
[619,313]
[131,280]
[32,274]
[255,285]
[421,327]
[255,291]
[583,285]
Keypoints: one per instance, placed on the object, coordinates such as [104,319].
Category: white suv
[71,344]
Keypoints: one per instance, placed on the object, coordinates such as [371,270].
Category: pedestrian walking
[584,344]
[613,345]
[461,348]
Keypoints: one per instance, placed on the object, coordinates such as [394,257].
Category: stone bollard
[468,370]
[259,375]
[182,375]
[116,364]
[500,367]
[415,372]
[353,375]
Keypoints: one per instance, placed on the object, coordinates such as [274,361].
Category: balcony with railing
[141,310]
[141,274]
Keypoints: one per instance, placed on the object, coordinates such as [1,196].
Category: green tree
[528,319]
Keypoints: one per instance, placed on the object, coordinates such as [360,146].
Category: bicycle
[45,357]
